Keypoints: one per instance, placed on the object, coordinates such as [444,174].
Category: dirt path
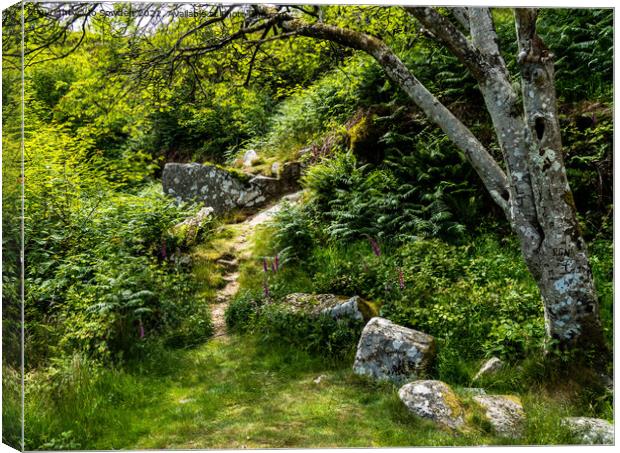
[239,251]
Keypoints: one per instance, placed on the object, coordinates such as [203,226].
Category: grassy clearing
[236,393]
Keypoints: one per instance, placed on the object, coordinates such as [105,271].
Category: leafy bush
[100,275]
[294,232]
[241,311]
[359,201]
[477,299]
[273,323]
[483,297]
[602,261]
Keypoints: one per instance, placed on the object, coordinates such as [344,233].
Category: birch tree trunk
[533,193]
[560,263]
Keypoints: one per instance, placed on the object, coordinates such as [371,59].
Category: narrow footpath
[239,251]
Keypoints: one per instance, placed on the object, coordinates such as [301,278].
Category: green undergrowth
[477,299]
[238,393]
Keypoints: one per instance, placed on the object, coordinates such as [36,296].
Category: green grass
[244,392]
[235,393]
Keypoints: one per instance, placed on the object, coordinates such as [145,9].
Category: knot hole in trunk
[539,125]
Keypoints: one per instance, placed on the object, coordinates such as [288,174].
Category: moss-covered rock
[433,400]
[329,304]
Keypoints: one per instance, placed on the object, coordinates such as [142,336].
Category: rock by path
[239,251]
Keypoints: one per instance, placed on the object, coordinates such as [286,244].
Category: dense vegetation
[391,212]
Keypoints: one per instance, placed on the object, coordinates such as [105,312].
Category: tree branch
[256,49]
[487,168]
[447,33]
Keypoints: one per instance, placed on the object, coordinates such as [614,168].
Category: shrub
[295,230]
[480,297]
[241,312]
[274,323]
[109,280]
[360,201]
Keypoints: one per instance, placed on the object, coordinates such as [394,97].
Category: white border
[495,3]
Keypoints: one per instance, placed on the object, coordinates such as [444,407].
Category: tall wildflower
[401,278]
[265,289]
[374,245]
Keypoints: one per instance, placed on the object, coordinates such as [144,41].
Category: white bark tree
[533,190]
[529,185]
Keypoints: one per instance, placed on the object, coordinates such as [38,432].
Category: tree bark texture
[533,192]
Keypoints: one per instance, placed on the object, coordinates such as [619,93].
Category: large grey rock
[590,431]
[213,186]
[433,400]
[267,185]
[504,413]
[225,190]
[387,351]
[491,366]
[338,307]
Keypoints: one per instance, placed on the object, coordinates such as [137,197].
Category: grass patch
[236,393]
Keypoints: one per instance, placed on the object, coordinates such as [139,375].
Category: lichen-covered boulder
[433,400]
[491,366]
[387,351]
[267,185]
[209,184]
[504,413]
[338,307]
[590,431]
[224,189]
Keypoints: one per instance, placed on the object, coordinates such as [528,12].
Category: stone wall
[223,190]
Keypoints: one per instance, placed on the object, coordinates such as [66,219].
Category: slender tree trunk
[560,264]
[534,194]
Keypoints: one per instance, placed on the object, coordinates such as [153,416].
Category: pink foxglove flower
[265,289]
[374,245]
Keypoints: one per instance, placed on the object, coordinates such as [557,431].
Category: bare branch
[256,49]
[447,33]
